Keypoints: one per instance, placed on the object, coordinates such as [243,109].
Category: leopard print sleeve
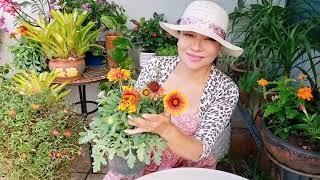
[148,73]
[217,104]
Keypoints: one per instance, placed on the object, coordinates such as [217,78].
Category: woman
[200,136]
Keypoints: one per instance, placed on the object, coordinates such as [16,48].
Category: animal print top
[217,103]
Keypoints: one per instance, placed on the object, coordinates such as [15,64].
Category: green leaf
[141,152]
[157,157]
[270,109]
[131,159]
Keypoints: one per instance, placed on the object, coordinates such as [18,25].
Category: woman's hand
[155,123]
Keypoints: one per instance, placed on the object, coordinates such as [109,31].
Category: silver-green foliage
[108,139]
[28,55]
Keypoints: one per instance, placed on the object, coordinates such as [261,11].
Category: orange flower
[118,74]
[263,82]
[12,35]
[302,77]
[156,89]
[305,93]
[129,100]
[175,102]
[153,86]
[35,106]
[12,113]
[67,133]
[22,30]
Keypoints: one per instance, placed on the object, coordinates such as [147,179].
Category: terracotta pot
[109,46]
[242,143]
[287,154]
[69,69]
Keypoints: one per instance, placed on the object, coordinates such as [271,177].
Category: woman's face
[196,50]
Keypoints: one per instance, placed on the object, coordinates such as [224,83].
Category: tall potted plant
[64,41]
[116,25]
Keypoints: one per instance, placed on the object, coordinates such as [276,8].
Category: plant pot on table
[109,46]
[294,157]
[70,69]
[92,60]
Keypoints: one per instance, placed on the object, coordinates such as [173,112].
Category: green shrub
[38,138]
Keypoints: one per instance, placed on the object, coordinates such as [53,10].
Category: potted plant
[28,55]
[273,45]
[64,41]
[167,50]
[290,123]
[116,25]
[95,56]
[148,36]
[120,53]
[39,131]
[127,154]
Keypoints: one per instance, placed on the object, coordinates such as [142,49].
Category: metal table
[91,75]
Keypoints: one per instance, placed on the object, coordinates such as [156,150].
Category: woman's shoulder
[222,82]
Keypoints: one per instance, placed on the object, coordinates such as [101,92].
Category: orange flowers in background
[22,30]
[263,82]
[129,99]
[175,102]
[305,93]
[118,74]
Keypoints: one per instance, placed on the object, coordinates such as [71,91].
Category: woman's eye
[210,39]
[188,35]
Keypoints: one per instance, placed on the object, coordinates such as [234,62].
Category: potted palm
[64,41]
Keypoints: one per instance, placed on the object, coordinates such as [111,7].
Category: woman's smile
[194,57]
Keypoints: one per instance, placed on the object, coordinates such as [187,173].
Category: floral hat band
[199,22]
[206,18]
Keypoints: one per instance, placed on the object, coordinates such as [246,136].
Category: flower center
[175,102]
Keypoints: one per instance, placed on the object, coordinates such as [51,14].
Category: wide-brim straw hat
[206,18]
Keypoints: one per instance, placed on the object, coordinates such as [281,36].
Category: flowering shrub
[148,34]
[292,109]
[38,138]
[107,130]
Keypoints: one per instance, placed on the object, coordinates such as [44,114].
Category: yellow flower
[263,82]
[71,72]
[305,93]
[302,77]
[118,74]
[175,102]
[129,99]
